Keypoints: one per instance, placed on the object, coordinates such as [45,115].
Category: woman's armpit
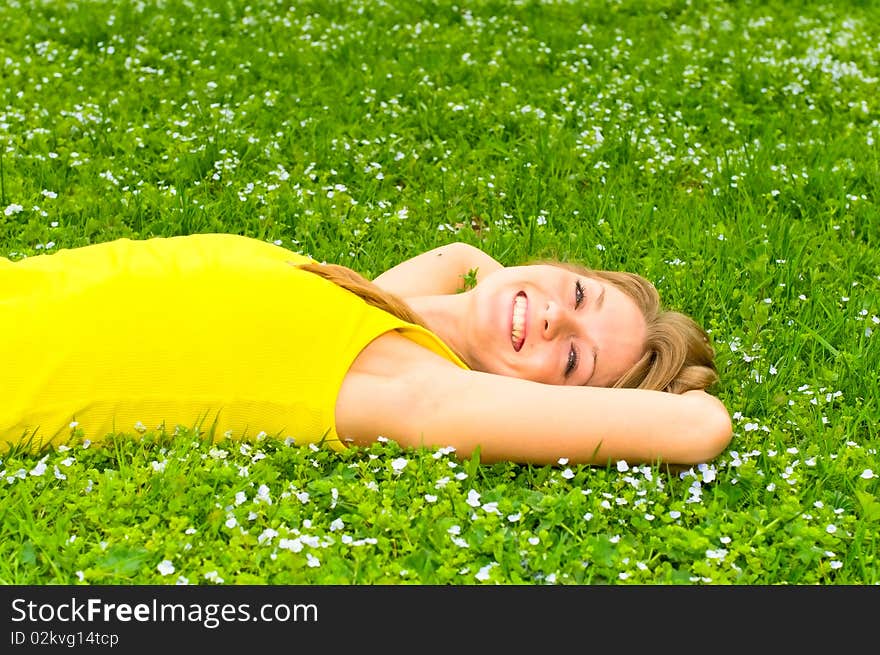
[384,388]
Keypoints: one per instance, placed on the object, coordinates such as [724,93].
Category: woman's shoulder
[228,243]
[212,246]
[211,251]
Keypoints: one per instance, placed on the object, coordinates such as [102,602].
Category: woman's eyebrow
[600,298]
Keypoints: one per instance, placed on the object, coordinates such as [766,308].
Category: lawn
[725,151]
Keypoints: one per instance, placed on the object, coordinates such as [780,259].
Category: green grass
[726,151]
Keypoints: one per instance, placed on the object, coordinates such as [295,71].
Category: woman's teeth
[518,333]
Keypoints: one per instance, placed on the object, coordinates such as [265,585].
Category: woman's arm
[437,272]
[429,402]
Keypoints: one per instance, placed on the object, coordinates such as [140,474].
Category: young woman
[236,337]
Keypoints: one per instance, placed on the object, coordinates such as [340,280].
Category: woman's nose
[553,320]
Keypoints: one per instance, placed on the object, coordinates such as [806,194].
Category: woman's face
[549,324]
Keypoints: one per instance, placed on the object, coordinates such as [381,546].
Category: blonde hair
[678,356]
[366,290]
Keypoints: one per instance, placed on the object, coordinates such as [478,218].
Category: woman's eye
[578,294]
[572,361]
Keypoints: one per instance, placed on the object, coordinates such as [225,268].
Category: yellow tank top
[214,332]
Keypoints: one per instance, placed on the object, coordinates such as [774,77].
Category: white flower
[483,574]
[267,535]
[867,474]
[473,498]
[12,209]
[708,474]
[442,452]
[213,576]
[399,464]
[336,524]
[831,529]
[568,474]
[165,567]
[263,495]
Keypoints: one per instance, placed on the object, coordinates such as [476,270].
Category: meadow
[724,150]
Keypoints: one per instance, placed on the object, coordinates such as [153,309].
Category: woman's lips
[518,321]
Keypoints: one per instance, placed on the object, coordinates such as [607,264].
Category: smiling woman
[235,336]
[566,324]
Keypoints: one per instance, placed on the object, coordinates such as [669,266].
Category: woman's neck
[446,316]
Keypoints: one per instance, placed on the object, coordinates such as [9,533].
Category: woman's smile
[518,321]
